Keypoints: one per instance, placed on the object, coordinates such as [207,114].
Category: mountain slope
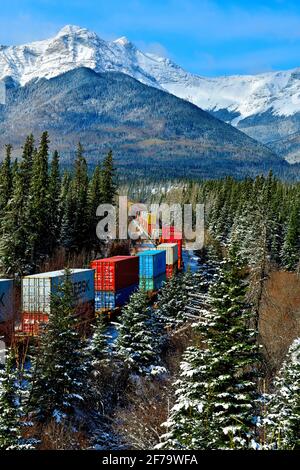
[147,128]
[266,106]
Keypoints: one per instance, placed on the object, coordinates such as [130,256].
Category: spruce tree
[283,417]
[5,180]
[291,245]
[27,162]
[232,341]
[223,375]
[109,186]
[38,203]
[60,368]
[137,343]
[79,194]
[14,243]
[94,200]
[54,199]
[172,300]
[10,411]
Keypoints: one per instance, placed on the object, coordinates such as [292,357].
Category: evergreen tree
[54,199]
[79,194]
[109,186]
[94,200]
[98,348]
[14,245]
[5,180]
[172,300]
[60,367]
[137,343]
[38,203]
[232,341]
[66,211]
[27,162]
[291,245]
[283,417]
[188,426]
[217,391]
[10,411]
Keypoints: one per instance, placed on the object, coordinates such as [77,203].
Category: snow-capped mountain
[257,104]
[78,47]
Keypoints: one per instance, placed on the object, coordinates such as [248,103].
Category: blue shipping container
[110,300]
[152,283]
[152,263]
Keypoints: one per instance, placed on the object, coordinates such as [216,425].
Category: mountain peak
[123,41]
[70,29]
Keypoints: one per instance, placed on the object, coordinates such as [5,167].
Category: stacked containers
[171,257]
[152,269]
[170,235]
[147,221]
[37,290]
[116,278]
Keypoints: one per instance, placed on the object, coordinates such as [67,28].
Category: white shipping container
[6,299]
[38,288]
[171,252]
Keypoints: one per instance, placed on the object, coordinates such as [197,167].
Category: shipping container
[171,250]
[152,263]
[115,273]
[6,300]
[171,233]
[179,245]
[30,324]
[152,283]
[171,270]
[38,288]
[105,300]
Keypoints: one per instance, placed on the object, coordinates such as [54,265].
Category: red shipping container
[31,323]
[170,270]
[115,273]
[170,233]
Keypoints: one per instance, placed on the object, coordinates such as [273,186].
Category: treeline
[42,210]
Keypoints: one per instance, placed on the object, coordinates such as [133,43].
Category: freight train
[105,287]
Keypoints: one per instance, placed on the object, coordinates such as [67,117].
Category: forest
[197,368]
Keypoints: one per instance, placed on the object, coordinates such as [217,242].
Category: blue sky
[208,37]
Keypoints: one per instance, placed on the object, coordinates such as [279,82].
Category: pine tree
[5,180]
[98,348]
[10,411]
[27,162]
[54,199]
[60,367]
[14,243]
[109,186]
[291,245]
[38,203]
[283,417]
[137,343]
[79,194]
[217,390]
[66,211]
[172,300]
[232,341]
[94,200]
